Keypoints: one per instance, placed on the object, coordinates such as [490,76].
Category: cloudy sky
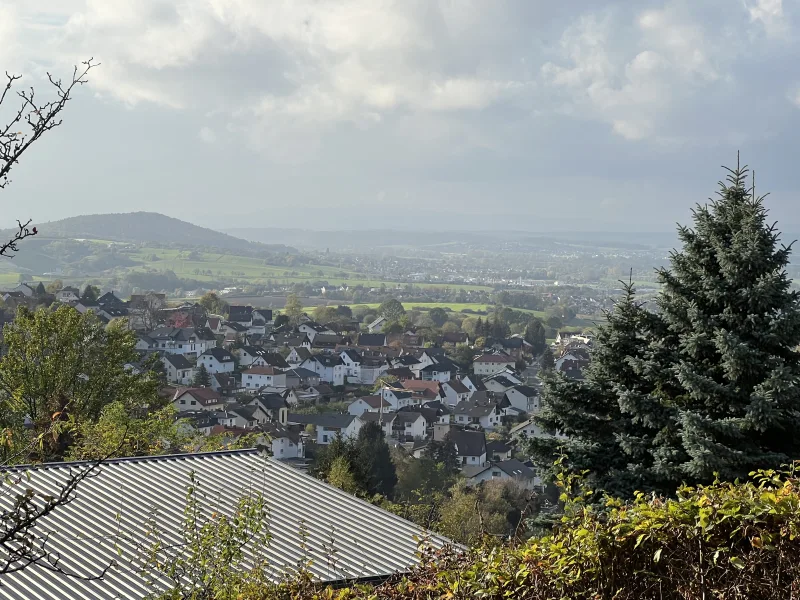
[409,113]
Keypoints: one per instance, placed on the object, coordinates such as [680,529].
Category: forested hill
[147,227]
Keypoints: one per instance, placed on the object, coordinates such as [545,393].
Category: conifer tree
[725,360]
[606,421]
[202,377]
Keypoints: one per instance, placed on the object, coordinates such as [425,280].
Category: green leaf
[657,555]
[737,562]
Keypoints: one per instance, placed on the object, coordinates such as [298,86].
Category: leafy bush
[724,541]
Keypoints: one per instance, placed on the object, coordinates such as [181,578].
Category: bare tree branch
[37,117]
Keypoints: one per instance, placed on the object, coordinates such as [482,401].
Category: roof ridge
[126,459]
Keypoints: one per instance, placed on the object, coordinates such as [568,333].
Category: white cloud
[207,135]
[769,13]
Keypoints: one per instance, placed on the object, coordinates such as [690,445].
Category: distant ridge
[148,227]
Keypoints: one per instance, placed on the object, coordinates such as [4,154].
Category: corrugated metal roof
[368,541]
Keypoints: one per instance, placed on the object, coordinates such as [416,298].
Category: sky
[467,114]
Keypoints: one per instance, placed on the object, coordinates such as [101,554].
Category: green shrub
[722,541]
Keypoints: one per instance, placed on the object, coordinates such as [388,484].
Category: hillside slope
[148,227]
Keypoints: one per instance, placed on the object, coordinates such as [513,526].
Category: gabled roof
[271,401]
[273,359]
[213,322]
[262,371]
[123,491]
[457,386]
[497,446]
[500,379]
[178,361]
[526,390]
[417,385]
[352,354]
[237,327]
[314,326]
[515,468]
[240,313]
[475,381]
[371,339]
[407,360]
[203,395]
[302,353]
[438,368]
[376,417]
[220,354]
[328,360]
[468,443]
[327,420]
[472,408]
[374,401]
[247,412]
[326,339]
[301,373]
[495,358]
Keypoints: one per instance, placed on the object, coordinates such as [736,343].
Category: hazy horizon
[413,115]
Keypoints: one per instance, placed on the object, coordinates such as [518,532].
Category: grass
[453,306]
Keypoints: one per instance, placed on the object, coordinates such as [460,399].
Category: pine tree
[373,463]
[202,377]
[725,358]
[536,336]
[608,418]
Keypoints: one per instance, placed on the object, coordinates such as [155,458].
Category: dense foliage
[704,384]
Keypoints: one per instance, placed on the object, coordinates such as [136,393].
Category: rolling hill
[148,227]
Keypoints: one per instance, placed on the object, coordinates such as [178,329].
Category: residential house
[243,315]
[244,415]
[487,415]
[423,391]
[504,470]
[226,384]
[397,397]
[179,370]
[455,391]
[329,341]
[298,355]
[377,325]
[27,290]
[284,443]
[529,429]
[255,378]
[312,329]
[300,377]
[372,369]
[270,359]
[371,340]
[385,420]
[214,324]
[328,425]
[217,360]
[524,398]
[497,450]
[194,398]
[498,384]
[351,359]
[470,446]
[489,364]
[473,383]
[271,407]
[364,404]
[441,372]
[262,316]
[408,425]
[453,338]
[329,368]
[441,409]
[68,294]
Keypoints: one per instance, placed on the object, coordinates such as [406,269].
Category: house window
[249,376]
[495,473]
[325,439]
[281,450]
[193,402]
[183,401]
[180,345]
[471,459]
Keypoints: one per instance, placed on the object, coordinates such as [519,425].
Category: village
[299,385]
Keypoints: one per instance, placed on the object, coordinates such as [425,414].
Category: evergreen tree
[536,336]
[40,291]
[444,453]
[725,356]
[202,378]
[608,423]
[374,461]
[548,361]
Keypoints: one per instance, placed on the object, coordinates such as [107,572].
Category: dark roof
[326,339]
[371,339]
[515,468]
[327,420]
[458,386]
[271,401]
[401,373]
[240,313]
[526,390]
[302,353]
[454,337]
[328,360]
[203,395]
[123,491]
[220,354]
[497,446]
[315,326]
[301,373]
[431,414]
[504,381]
[352,354]
[274,359]
[409,416]
[468,443]
[477,383]
[265,313]
[204,333]
[246,412]
[178,361]
[237,327]
[438,368]
[472,408]
[407,360]
[495,358]
[109,298]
